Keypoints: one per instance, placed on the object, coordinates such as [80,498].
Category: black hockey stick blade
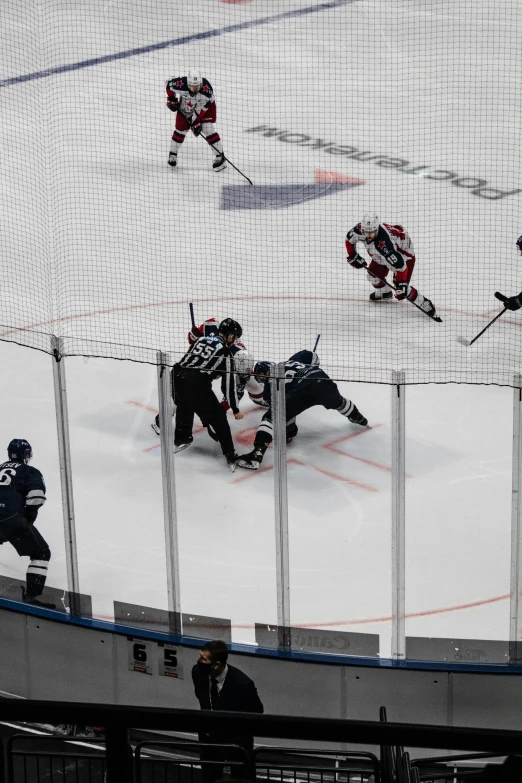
[191,308]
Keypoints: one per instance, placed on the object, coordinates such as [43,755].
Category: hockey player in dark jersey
[22,494]
[192,98]
[207,359]
[512,302]
[306,385]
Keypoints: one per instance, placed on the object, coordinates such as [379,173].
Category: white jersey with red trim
[191,105]
[391,246]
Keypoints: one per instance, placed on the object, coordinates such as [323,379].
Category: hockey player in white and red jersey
[192,98]
[244,361]
[390,248]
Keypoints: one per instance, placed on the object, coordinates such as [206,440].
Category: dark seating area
[151,746]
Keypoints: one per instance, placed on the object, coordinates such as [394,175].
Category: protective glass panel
[339,493]
[226,534]
[117,484]
[458,521]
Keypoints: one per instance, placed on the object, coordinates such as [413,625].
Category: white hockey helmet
[370,223]
[244,362]
[194,78]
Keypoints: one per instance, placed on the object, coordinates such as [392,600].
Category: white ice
[103,244]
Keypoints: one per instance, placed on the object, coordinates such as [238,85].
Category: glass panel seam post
[168,481]
[64,453]
[515,603]
[278,404]
[398,650]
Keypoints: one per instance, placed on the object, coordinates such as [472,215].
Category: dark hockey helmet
[519,243]
[229,326]
[19,450]
[261,371]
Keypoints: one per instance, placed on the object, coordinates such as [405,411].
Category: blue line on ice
[233,28]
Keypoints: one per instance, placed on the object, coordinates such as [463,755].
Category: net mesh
[332,109]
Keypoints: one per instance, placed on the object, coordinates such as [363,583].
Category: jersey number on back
[5,476]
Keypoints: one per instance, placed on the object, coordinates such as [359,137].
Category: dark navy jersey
[297,377]
[22,490]
[213,359]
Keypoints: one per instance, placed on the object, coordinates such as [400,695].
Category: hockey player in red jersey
[390,248]
[192,98]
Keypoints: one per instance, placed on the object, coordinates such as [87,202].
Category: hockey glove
[172,104]
[193,335]
[403,291]
[357,261]
[30,513]
[196,130]
[510,302]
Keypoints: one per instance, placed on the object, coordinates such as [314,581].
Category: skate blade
[232,466]
[155,428]
[182,447]
[247,465]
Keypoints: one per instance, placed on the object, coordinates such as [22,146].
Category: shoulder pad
[178,82]
[206,87]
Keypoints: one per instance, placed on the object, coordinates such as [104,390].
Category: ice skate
[156,425]
[356,417]
[231,459]
[173,159]
[428,307]
[220,162]
[35,600]
[181,445]
[380,295]
[252,460]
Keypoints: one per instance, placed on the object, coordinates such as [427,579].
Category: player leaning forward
[390,248]
[306,385]
[192,98]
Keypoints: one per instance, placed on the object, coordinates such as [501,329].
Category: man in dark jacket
[219,686]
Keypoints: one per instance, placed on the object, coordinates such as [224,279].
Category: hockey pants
[28,542]
[193,395]
[314,392]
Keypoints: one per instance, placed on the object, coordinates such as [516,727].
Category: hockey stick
[191,308]
[394,288]
[467,343]
[229,161]
[191,125]
[317,342]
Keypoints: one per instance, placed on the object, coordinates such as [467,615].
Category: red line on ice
[145,306]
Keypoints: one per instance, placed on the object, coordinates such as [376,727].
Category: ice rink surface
[408,108]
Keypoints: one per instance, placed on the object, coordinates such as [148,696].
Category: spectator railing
[117,720]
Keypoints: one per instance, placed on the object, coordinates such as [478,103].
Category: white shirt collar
[221,677]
